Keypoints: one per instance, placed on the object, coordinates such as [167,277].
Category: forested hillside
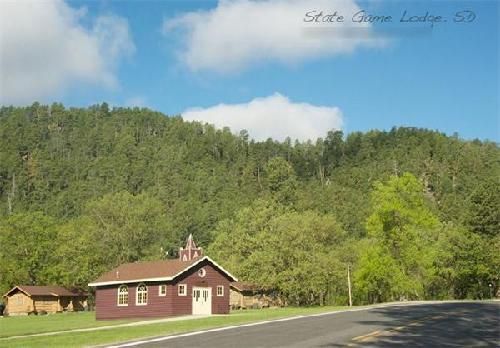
[415,213]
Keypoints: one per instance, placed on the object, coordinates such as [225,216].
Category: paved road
[428,325]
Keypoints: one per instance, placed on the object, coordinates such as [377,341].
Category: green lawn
[12,326]
[32,324]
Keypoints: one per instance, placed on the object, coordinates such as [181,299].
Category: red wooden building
[193,284]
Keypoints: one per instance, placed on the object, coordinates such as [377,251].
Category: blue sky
[248,65]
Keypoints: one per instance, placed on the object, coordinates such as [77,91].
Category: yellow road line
[362,338]
[388,331]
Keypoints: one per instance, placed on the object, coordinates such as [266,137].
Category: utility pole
[349,285]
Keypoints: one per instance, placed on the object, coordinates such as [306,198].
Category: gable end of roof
[105,282]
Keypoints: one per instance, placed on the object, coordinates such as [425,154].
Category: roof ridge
[150,261]
[141,273]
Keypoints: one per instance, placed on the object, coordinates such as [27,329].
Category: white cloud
[239,33]
[44,48]
[274,116]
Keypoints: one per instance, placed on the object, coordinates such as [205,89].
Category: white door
[202,300]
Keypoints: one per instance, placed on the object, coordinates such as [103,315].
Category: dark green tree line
[413,211]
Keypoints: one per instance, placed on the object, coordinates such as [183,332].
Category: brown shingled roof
[145,269]
[150,270]
[51,290]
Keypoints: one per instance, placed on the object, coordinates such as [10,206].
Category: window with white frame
[182,290]
[220,290]
[141,295]
[123,295]
[162,290]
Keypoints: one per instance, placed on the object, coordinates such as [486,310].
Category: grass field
[33,324]
[13,326]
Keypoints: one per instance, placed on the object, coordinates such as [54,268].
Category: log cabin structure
[244,295]
[192,284]
[27,299]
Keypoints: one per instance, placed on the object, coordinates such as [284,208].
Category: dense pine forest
[413,213]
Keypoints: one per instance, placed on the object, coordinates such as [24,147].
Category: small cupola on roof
[191,251]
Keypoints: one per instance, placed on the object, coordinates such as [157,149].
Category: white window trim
[159,290]
[137,295]
[118,296]
[179,290]
[217,290]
